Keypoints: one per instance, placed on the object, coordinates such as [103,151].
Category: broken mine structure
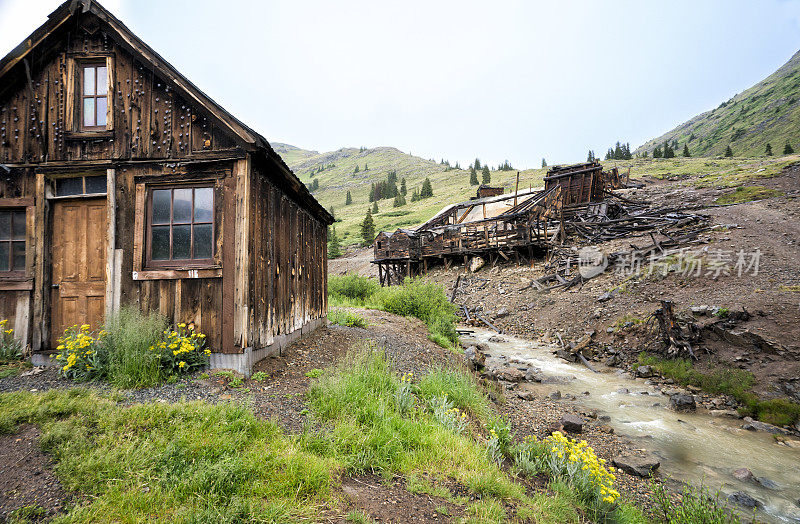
[494,225]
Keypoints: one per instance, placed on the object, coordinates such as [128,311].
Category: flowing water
[693,447]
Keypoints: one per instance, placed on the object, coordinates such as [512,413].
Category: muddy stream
[693,447]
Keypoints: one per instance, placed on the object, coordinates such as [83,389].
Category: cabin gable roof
[245,137]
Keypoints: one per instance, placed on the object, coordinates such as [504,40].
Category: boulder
[644,372]
[497,339]
[767,483]
[612,361]
[700,310]
[526,395]
[743,499]
[623,391]
[682,402]
[743,474]
[510,374]
[476,360]
[605,297]
[605,428]
[640,466]
[476,263]
[572,423]
[755,425]
[502,312]
[555,395]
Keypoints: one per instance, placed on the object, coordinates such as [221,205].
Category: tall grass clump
[130,335]
[696,504]
[459,387]
[342,317]
[351,290]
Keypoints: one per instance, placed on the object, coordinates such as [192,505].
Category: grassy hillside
[768,112]
[340,177]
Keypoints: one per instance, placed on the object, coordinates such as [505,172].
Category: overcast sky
[516,80]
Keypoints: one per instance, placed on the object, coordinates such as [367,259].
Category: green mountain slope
[768,112]
[339,176]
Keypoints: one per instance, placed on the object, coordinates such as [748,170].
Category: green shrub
[342,317]
[82,354]
[353,289]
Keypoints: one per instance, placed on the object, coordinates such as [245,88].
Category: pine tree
[627,151]
[355,170]
[403,189]
[657,153]
[486,176]
[477,164]
[427,189]
[544,163]
[686,151]
[590,157]
[348,199]
[334,249]
[375,207]
[768,149]
[617,152]
[368,229]
[399,200]
[415,195]
[365,167]
[728,151]
[473,177]
[787,149]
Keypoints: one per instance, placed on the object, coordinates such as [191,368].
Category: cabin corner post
[112,282]
[41,291]
[241,310]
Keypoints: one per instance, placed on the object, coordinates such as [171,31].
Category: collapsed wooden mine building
[516,225]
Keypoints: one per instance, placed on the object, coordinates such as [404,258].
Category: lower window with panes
[180,227]
[12,241]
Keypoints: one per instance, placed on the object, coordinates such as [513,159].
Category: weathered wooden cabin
[123,183]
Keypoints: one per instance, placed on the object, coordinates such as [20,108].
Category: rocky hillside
[768,112]
[335,172]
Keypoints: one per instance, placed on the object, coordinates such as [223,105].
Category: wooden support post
[111,240]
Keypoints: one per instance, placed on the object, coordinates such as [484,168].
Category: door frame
[43,233]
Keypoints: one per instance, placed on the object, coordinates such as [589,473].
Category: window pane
[102,80]
[202,241]
[88,112]
[19,225]
[160,240]
[161,206]
[182,205]
[95,184]
[180,242]
[5,225]
[4,247]
[88,80]
[102,107]
[69,186]
[203,204]
[19,256]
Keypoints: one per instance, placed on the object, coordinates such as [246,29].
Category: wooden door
[78,265]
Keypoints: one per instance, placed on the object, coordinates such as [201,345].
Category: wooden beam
[111,239]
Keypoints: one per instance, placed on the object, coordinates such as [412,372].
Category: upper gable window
[94,94]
